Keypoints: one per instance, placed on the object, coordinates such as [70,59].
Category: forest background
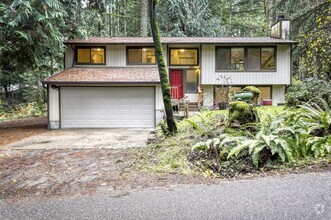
[32,34]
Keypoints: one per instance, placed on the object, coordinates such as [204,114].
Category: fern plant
[316,116]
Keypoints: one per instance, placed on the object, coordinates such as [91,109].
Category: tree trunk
[165,86]
[143,18]
[124,17]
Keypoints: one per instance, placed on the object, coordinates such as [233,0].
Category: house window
[90,55]
[237,59]
[268,58]
[191,81]
[245,59]
[139,55]
[180,57]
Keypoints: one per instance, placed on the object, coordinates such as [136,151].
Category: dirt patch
[48,173]
[15,130]
[70,172]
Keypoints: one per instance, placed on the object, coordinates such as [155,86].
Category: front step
[192,106]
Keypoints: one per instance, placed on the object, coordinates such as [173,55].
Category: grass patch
[169,154]
[264,111]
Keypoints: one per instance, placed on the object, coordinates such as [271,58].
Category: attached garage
[104,98]
[107,107]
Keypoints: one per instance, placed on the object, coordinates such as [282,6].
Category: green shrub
[32,109]
[303,91]
[292,135]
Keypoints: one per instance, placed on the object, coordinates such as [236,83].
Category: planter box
[266,102]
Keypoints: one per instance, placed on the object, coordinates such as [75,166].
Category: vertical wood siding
[208,75]
[281,76]
[278,94]
[54,108]
[208,95]
[69,57]
[159,106]
[116,55]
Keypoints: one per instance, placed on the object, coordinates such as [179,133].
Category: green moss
[252,89]
[241,113]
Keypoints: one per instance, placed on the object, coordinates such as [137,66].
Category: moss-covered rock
[255,91]
[241,113]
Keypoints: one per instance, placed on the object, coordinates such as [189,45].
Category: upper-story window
[245,59]
[140,55]
[90,55]
[184,57]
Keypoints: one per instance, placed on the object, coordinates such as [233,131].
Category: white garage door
[107,107]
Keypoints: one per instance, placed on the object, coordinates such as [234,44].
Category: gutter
[95,82]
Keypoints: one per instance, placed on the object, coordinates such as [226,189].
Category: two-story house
[114,82]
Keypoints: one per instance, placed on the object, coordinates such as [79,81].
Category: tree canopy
[32,32]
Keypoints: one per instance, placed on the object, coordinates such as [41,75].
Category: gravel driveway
[84,139]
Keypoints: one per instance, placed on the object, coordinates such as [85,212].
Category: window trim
[141,63]
[90,47]
[246,58]
[184,48]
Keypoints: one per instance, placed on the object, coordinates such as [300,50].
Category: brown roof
[105,75]
[180,40]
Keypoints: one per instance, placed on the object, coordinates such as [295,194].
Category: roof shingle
[180,40]
[105,75]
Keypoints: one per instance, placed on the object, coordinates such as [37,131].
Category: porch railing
[200,96]
[174,92]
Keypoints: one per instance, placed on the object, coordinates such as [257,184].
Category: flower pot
[243,96]
[266,102]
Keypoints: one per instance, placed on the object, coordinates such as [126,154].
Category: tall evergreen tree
[29,34]
[165,86]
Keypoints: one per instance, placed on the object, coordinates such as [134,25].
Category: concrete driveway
[85,138]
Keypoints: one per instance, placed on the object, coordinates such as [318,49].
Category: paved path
[84,139]
[301,196]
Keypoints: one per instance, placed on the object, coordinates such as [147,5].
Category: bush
[303,91]
[31,109]
[241,113]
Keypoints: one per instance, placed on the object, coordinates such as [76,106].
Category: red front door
[176,84]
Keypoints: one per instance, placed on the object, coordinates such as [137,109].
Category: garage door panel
[107,107]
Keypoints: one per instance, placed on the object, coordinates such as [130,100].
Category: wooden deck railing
[174,92]
[200,97]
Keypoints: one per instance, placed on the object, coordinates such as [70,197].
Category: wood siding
[208,95]
[278,94]
[159,106]
[54,108]
[116,55]
[281,76]
[69,57]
